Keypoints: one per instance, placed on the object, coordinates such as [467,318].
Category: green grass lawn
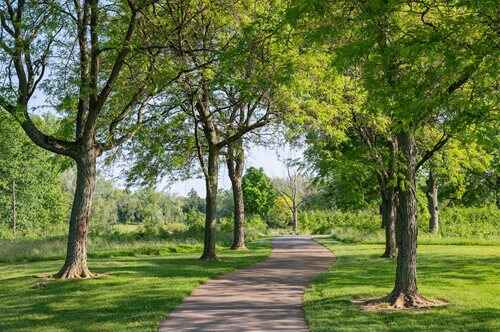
[134,295]
[468,277]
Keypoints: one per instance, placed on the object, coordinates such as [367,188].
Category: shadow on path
[266,297]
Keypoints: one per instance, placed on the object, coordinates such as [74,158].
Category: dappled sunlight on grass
[133,293]
[466,276]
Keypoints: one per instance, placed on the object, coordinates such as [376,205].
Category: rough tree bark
[235,165]
[211,184]
[75,265]
[432,202]
[389,211]
[405,292]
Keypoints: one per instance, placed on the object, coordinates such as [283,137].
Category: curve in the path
[267,297]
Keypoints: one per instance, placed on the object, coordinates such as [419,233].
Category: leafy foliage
[258,192]
[33,175]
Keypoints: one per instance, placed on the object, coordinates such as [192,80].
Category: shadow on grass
[468,281]
[344,316]
[135,294]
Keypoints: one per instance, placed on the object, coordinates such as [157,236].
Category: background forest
[337,196]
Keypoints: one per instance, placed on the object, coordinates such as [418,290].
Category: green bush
[326,221]
[255,228]
[473,223]
[279,215]
[195,222]
[470,222]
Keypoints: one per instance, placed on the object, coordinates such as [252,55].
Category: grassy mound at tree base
[468,277]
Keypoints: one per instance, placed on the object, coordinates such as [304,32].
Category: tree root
[74,271]
[398,301]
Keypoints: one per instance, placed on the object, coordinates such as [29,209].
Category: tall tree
[229,93]
[416,72]
[100,108]
[406,79]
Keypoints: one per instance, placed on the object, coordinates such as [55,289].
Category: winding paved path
[267,297]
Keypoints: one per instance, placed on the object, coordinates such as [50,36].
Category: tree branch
[429,153]
[38,137]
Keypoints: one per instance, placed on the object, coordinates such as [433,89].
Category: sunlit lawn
[134,295]
[466,276]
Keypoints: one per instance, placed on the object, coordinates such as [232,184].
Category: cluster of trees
[31,190]
[404,71]
[173,86]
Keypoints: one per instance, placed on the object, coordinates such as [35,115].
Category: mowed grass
[468,277]
[134,293]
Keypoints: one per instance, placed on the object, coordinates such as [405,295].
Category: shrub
[475,223]
[279,215]
[325,221]
[470,222]
[255,228]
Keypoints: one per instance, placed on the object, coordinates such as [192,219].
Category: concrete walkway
[267,297]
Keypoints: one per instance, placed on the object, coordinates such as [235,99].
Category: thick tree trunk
[211,183]
[14,208]
[389,212]
[432,202]
[405,293]
[75,265]
[235,166]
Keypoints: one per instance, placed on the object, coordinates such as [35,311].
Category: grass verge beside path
[466,276]
[135,294]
